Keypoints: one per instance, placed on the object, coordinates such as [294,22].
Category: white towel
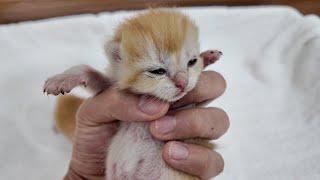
[271,64]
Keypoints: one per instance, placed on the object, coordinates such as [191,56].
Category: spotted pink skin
[142,166]
[210,56]
[117,174]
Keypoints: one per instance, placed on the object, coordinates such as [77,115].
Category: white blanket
[271,63]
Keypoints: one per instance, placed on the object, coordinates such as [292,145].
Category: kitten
[154,53]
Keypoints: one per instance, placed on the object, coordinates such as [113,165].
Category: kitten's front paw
[63,83]
[210,56]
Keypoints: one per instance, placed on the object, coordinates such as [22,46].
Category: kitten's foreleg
[81,75]
[210,56]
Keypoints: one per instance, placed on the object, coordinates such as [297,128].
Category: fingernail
[165,124]
[178,152]
[150,105]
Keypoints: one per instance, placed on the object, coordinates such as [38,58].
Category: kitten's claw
[81,75]
[63,83]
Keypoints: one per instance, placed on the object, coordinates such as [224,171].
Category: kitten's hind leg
[81,75]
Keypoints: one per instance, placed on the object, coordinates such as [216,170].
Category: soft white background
[271,63]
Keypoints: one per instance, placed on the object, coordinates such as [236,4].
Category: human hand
[210,123]
[97,123]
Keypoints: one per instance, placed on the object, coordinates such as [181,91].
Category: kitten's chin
[170,100]
[177,97]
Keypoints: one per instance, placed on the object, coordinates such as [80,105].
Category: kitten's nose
[181,80]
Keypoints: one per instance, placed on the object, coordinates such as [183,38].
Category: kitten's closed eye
[159,71]
[192,62]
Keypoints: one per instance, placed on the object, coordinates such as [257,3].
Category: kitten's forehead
[177,61]
[158,33]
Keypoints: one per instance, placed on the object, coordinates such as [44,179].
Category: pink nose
[181,86]
[181,80]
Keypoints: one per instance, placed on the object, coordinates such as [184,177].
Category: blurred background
[21,10]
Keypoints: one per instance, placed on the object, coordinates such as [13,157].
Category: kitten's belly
[135,154]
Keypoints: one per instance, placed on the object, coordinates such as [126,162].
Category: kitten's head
[156,53]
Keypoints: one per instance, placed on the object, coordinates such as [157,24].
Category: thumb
[113,105]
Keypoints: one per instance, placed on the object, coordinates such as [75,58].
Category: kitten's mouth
[180,94]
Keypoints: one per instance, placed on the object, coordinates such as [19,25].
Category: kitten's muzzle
[181,81]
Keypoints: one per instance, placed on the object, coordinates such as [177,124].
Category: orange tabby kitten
[154,53]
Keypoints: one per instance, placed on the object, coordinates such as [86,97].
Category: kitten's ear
[112,49]
[210,56]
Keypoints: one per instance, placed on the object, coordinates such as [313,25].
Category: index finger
[210,86]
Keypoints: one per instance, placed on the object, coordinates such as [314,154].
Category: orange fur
[165,31]
[144,28]
[65,113]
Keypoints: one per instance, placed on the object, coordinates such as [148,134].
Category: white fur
[128,147]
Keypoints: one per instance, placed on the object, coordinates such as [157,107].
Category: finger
[96,126]
[193,159]
[209,123]
[113,105]
[211,85]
